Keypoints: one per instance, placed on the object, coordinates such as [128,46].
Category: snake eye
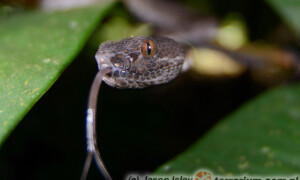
[148,48]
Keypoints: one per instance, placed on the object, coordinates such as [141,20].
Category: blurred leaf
[118,28]
[232,33]
[35,47]
[289,10]
[262,137]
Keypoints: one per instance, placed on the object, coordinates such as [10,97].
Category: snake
[140,61]
[136,62]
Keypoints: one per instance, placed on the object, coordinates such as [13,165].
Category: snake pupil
[149,48]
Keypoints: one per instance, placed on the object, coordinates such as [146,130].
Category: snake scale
[136,62]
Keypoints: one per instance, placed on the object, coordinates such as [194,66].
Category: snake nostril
[109,74]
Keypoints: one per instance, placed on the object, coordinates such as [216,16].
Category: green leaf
[261,138]
[35,47]
[289,10]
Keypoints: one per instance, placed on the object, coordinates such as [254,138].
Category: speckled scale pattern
[130,69]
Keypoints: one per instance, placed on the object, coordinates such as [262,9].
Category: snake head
[140,62]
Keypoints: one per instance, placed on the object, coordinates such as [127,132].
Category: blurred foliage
[118,28]
[214,63]
[233,32]
[260,138]
[35,48]
[290,12]
[21,3]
